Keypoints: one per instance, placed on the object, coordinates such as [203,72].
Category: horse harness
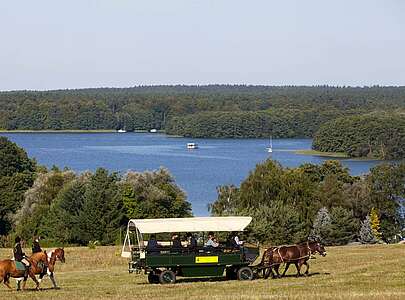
[301,257]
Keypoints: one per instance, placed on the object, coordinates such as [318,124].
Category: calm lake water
[198,172]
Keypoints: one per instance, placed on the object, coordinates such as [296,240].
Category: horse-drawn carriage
[166,263]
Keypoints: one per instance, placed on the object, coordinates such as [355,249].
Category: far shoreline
[75,131]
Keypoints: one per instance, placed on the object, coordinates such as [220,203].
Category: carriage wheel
[167,276]
[245,273]
[153,278]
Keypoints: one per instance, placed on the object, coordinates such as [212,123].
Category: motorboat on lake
[192,146]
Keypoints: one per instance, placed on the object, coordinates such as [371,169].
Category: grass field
[323,154]
[351,272]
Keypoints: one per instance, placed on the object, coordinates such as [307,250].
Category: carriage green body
[203,264]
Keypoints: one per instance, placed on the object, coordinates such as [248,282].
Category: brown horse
[8,269]
[296,254]
[53,256]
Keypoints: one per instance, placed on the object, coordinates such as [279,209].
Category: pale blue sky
[78,43]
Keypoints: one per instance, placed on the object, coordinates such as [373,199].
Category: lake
[198,172]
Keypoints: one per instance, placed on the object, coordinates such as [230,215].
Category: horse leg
[6,280]
[307,270]
[298,266]
[32,275]
[287,265]
[18,285]
[277,269]
[52,277]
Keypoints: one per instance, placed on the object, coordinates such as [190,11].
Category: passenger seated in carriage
[191,242]
[176,243]
[153,246]
[233,241]
[212,242]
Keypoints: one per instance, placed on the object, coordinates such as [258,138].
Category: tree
[366,235]
[17,173]
[277,224]
[375,224]
[227,201]
[153,195]
[102,214]
[33,214]
[14,159]
[343,227]
[321,226]
[386,184]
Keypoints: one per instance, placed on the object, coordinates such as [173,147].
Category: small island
[378,135]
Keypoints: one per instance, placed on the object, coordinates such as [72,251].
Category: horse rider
[19,255]
[36,247]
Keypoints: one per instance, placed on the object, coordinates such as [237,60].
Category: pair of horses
[295,254]
[41,263]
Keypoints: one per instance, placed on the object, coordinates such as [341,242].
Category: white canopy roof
[197,224]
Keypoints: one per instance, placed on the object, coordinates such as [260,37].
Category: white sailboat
[270,148]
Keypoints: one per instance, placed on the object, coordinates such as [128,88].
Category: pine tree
[320,226]
[375,224]
[343,227]
[366,235]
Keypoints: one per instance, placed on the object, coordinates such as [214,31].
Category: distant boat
[153,130]
[192,146]
[121,131]
[270,148]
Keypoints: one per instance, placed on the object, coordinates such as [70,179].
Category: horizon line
[203,85]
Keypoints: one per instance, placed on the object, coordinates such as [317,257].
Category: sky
[116,43]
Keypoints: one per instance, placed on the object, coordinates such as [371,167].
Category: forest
[281,111]
[321,202]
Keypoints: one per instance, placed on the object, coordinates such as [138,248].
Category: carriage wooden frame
[168,264]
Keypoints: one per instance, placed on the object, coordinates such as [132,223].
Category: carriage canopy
[197,224]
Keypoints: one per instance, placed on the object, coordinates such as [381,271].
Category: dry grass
[352,272]
[323,154]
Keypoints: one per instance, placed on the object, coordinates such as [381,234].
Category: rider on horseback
[19,255]
[36,247]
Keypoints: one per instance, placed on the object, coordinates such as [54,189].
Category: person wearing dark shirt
[36,247]
[191,242]
[19,255]
[176,243]
[153,246]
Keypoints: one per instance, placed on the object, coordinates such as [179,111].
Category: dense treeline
[70,208]
[323,202]
[279,123]
[377,135]
[300,109]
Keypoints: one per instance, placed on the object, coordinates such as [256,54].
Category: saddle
[19,266]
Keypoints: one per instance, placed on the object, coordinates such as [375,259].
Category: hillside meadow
[348,272]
